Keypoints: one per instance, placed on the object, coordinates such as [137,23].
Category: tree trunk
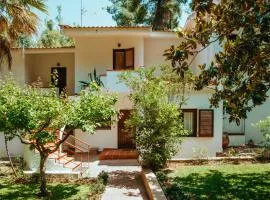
[43,182]
[8,154]
[158,18]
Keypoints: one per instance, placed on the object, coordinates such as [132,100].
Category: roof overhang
[101,31]
[42,50]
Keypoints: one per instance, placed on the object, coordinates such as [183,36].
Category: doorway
[62,78]
[125,139]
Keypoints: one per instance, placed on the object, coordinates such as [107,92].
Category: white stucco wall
[97,53]
[15,147]
[237,140]
[17,68]
[202,146]
[154,49]
[257,114]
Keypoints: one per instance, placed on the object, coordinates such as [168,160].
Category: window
[190,121]
[123,59]
[206,123]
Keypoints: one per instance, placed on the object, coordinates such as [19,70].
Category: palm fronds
[17,18]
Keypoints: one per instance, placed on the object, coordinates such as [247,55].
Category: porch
[41,63]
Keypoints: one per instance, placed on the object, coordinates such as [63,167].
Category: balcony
[112,83]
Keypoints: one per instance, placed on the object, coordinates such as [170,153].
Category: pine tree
[161,14]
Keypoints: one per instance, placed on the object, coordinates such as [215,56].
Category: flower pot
[225,141]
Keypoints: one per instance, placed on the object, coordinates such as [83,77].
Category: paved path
[97,166]
[124,185]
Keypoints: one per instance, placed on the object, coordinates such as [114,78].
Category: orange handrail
[80,140]
[74,146]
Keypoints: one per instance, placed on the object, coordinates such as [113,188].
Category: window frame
[195,120]
[124,51]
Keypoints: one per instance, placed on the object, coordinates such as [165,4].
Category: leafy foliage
[155,121]
[52,37]
[36,116]
[264,126]
[242,28]
[94,78]
[161,14]
[17,18]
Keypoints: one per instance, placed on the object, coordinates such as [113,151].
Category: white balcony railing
[112,83]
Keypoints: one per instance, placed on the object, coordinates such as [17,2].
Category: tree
[25,42]
[161,14]
[240,72]
[52,37]
[17,18]
[155,120]
[36,117]
[59,17]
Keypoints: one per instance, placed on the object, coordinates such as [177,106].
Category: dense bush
[155,120]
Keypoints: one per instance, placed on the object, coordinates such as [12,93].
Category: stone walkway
[97,166]
[124,185]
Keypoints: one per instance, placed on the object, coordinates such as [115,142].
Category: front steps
[118,154]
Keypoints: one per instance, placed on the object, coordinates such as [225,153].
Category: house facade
[110,50]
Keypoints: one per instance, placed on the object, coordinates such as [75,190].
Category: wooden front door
[124,135]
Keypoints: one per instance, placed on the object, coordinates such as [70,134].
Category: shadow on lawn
[30,191]
[217,185]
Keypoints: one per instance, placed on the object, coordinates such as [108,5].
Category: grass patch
[26,188]
[228,181]
[11,190]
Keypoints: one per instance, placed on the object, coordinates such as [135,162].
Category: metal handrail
[76,146]
[79,140]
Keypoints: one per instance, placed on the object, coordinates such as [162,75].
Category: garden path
[125,185]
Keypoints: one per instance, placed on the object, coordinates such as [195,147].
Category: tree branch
[197,52]
[57,145]
[22,140]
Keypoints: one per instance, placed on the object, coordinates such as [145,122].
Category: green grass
[228,181]
[29,191]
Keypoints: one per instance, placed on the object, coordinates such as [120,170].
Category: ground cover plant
[223,181]
[28,188]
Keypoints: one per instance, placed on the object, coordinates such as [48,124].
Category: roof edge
[43,48]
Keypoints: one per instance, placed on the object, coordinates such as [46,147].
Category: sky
[95,12]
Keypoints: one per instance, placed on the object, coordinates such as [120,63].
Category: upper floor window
[123,59]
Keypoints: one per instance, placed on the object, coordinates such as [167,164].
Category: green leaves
[240,71]
[162,15]
[264,126]
[38,115]
[155,119]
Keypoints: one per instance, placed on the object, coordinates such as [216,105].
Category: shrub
[155,120]
[264,126]
[103,177]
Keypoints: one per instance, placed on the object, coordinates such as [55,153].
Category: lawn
[29,191]
[227,181]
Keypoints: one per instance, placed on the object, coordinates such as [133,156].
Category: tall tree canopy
[240,72]
[17,18]
[161,14]
[53,37]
